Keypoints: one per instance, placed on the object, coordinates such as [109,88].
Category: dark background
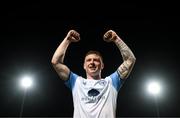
[31,32]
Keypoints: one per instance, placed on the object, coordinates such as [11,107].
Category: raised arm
[128,56]
[58,57]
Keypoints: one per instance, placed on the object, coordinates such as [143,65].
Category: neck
[96,77]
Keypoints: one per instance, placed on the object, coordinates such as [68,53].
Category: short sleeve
[116,80]
[71,81]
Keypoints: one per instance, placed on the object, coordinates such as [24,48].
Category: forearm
[128,58]
[59,54]
[125,51]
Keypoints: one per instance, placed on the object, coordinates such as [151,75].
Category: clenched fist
[110,36]
[73,36]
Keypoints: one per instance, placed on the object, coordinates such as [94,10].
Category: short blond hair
[94,52]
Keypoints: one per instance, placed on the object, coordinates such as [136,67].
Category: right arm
[128,57]
[58,57]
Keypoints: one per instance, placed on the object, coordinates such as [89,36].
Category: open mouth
[92,67]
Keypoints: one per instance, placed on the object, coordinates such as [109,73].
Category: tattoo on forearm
[124,49]
[128,58]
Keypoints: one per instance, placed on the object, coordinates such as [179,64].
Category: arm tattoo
[128,58]
[124,49]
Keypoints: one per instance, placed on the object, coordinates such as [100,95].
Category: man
[94,97]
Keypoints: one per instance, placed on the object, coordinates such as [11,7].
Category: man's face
[93,64]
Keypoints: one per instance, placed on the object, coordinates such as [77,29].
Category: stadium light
[26,81]
[154,88]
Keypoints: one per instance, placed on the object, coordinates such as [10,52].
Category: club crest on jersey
[102,82]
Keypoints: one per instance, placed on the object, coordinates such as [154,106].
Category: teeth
[92,68]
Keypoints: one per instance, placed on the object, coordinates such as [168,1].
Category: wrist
[67,41]
[117,40]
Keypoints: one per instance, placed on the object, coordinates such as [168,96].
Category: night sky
[31,32]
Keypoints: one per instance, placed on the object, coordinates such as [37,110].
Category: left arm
[128,57]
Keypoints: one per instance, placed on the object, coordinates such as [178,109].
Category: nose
[92,61]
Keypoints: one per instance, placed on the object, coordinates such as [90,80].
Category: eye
[88,60]
[97,60]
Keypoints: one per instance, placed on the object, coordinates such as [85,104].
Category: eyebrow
[93,58]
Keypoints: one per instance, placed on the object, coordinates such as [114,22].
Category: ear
[84,66]
[102,66]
